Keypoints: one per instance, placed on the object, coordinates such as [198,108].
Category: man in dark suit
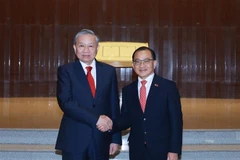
[87,104]
[152,109]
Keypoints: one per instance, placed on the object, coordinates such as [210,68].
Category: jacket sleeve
[175,114]
[123,121]
[67,103]
[115,108]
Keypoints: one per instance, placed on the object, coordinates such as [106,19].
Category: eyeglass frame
[144,61]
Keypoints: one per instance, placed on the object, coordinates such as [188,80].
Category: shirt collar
[148,79]
[84,65]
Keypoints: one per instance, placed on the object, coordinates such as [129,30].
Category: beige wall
[45,113]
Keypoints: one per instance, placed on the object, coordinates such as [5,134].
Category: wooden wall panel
[155,13]
[196,41]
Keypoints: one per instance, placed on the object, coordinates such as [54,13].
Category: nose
[86,49]
[141,63]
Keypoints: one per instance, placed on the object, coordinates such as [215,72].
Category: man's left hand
[114,148]
[172,156]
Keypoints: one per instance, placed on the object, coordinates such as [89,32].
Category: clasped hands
[104,123]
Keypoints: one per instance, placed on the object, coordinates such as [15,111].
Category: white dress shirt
[149,80]
[93,71]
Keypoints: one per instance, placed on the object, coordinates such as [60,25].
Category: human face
[143,63]
[86,48]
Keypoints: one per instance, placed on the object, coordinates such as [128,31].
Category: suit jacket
[81,110]
[159,127]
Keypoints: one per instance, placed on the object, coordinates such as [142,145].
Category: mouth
[142,70]
[86,56]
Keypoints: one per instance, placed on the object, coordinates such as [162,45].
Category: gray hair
[84,32]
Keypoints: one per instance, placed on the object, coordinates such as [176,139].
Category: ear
[74,47]
[98,46]
[132,65]
[155,63]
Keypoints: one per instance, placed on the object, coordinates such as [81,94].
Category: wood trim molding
[118,54]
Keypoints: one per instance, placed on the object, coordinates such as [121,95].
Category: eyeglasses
[144,62]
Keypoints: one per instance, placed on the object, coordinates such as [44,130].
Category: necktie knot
[143,82]
[89,68]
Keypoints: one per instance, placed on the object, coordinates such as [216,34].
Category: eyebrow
[86,43]
[143,59]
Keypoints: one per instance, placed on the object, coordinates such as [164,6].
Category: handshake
[104,123]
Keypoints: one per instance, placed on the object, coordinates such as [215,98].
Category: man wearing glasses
[151,107]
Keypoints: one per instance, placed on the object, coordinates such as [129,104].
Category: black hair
[142,49]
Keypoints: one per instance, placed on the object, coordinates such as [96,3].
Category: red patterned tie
[143,95]
[91,80]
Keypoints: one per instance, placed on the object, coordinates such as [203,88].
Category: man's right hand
[104,123]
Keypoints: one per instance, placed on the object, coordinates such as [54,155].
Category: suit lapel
[135,95]
[81,76]
[100,77]
[153,91]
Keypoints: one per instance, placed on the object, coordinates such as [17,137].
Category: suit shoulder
[106,65]
[166,81]
[130,85]
[67,65]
